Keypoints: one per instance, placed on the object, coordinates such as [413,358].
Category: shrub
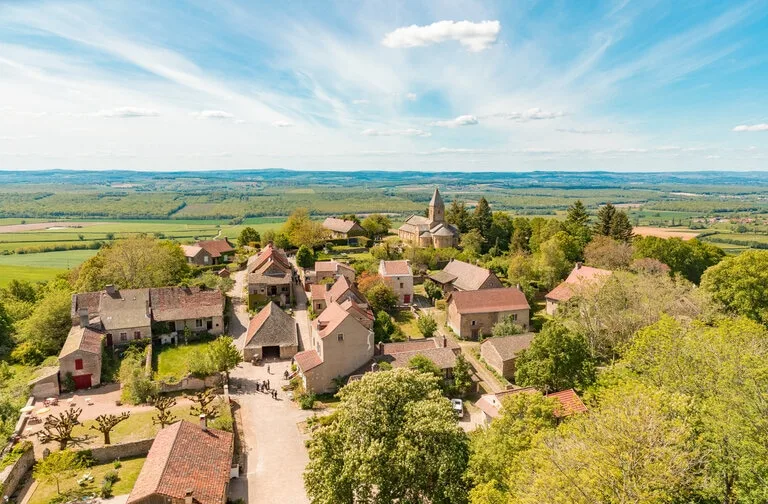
[85,458]
[111,477]
[106,489]
[306,400]
[224,421]
[117,464]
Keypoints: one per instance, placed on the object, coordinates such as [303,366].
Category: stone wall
[190,383]
[105,454]
[11,476]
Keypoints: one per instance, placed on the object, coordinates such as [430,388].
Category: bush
[224,421]
[85,458]
[117,464]
[106,489]
[306,400]
[111,477]
[440,304]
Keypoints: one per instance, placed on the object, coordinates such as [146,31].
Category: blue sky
[443,85]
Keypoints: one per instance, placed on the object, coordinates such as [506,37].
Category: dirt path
[238,316]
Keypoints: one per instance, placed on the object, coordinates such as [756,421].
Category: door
[474,334]
[209,325]
[82,381]
[406,298]
[109,339]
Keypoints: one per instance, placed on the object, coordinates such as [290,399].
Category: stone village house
[399,276]
[270,277]
[472,313]
[209,252]
[272,333]
[501,353]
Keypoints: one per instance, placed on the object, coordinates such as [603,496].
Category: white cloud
[127,112]
[578,131]
[473,36]
[411,132]
[751,127]
[360,102]
[411,97]
[282,124]
[213,114]
[463,120]
[532,114]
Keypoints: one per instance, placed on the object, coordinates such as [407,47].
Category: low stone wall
[108,453]
[148,360]
[190,383]
[11,476]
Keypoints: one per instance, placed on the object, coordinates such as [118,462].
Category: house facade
[342,341]
[209,252]
[430,231]
[321,295]
[81,357]
[325,270]
[343,229]
[501,352]
[270,278]
[581,277]
[399,276]
[272,333]
[474,313]
[463,276]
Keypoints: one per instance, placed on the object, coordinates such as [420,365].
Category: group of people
[263,386]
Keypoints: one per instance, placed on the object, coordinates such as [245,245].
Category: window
[205,259]
[78,363]
[401,285]
[136,334]
[198,323]
[514,316]
[123,336]
[473,322]
[340,337]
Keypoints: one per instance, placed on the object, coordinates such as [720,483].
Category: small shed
[45,383]
[501,353]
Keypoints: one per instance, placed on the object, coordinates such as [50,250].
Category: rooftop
[468,277]
[184,303]
[395,268]
[272,327]
[579,276]
[489,300]
[308,359]
[508,347]
[216,247]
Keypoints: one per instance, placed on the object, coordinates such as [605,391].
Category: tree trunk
[106,438]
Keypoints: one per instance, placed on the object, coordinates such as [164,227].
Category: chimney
[110,289]
[83,312]
[203,422]
[445,342]
[518,288]
[188,496]
[578,265]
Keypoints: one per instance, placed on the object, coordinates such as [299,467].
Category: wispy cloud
[751,127]
[577,131]
[463,120]
[532,114]
[360,102]
[213,114]
[282,124]
[411,96]
[127,112]
[474,36]
[408,132]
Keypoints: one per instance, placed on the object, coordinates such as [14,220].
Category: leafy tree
[105,424]
[507,326]
[690,258]
[376,225]
[136,386]
[521,235]
[59,428]
[381,297]
[393,439]
[542,229]
[222,355]
[282,241]
[552,265]
[495,449]
[204,404]
[133,263]
[557,359]
[462,376]
[500,232]
[605,252]
[22,290]
[604,220]
[383,327]
[427,325]
[46,329]
[634,448]
[304,257]
[482,219]
[739,284]
[268,237]
[432,290]
[458,215]
[350,217]
[621,228]
[248,236]
[58,466]
[302,230]
[6,342]
[425,365]
[163,405]
[472,242]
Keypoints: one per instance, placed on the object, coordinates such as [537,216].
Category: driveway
[276,456]
[238,317]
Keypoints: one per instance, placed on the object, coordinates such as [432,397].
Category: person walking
[268,370]
[268,383]
[258,386]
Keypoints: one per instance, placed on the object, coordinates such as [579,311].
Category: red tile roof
[216,247]
[317,291]
[184,303]
[489,300]
[396,268]
[268,254]
[82,339]
[308,359]
[330,319]
[570,402]
[581,275]
[185,457]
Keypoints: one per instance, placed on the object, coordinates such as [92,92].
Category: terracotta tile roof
[468,276]
[508,347]
[191,250]
[341,225]
[362,315]
[307,360]
[184,303]
[317,291]
[332,266]
[489,300]
[268,255]
[330,319]
[341,287]
[395,268]
[579,276]
[444,358]
[569,402]
[216,247]
[185,457]
[272,327]
[82,339]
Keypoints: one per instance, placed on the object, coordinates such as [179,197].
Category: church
[432,230]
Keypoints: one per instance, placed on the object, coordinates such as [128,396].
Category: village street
[238,316]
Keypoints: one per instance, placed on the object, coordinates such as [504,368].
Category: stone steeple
[436,208]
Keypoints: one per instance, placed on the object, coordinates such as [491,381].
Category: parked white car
[458,407]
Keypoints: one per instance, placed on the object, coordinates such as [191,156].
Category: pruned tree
[59,428]
[204,404]
[163,405]
[105,423]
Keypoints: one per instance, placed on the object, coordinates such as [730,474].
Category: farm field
[660,232]
[10,272]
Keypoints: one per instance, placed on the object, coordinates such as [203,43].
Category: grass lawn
[138,426]
[66,259]
[10,272]
[406,321]
[128,473]
[173,361]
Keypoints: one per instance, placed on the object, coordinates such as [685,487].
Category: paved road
[238,317]
[302,318]
[276,456]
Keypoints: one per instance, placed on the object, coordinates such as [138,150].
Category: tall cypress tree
[482,218]
[621,229]
[604,220]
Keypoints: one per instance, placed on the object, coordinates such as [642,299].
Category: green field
[26,273]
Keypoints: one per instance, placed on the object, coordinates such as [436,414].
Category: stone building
[430,231]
